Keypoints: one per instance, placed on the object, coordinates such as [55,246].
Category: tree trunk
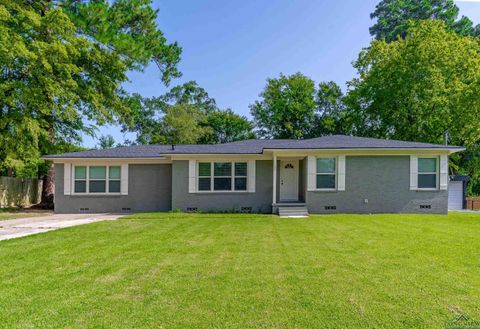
[10,172]
[48,188]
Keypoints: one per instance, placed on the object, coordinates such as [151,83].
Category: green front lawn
[238,271]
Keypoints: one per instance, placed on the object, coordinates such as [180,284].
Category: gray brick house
[331,174]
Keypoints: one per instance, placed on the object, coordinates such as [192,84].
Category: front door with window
[288,180]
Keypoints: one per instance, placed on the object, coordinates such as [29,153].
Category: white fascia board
[220,157]
[108,161]
[388,151]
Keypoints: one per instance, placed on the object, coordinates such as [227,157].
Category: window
[80,185]
[427,173]
[97,179]
[326,173]
[222,176]
[114,174]
[204,176]
[240,176]
[222,172]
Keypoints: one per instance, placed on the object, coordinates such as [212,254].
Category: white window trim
[212,177]
[327,174]
[437,173]
[87,180]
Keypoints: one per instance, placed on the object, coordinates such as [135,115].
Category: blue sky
[231,47]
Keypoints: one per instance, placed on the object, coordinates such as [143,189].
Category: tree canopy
[292,107]
[418,87]
[185,114]
[287,107]
[64,62]
[393,17]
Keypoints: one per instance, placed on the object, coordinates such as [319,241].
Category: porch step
[293,211]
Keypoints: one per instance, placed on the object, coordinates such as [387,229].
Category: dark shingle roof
[252,146]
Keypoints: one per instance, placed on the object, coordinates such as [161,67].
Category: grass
[13,213]
[240,271]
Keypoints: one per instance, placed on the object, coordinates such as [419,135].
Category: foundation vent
[192,209]
[330,207]
[425,206]
[84,209]
[246,209]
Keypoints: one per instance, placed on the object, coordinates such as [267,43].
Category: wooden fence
[473,203]
[19,192]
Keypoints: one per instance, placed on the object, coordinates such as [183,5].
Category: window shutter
[124,179]
[443,172]
[341,173]
[311,173]
[413,172]
[192,177]
[67,178]
[251,176]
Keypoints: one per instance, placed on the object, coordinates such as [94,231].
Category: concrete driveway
[15,228]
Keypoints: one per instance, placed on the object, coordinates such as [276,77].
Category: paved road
[15,228]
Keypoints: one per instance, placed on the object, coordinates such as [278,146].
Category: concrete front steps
[292,210]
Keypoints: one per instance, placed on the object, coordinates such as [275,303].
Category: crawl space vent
[425,206]
[330,207]
[192,209]
[246,209]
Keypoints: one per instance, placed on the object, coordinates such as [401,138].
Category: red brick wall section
[473,203]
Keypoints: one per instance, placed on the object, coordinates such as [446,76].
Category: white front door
[289,180]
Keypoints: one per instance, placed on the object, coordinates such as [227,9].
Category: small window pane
[240,169]
[98,172]
[427,165]
[204,169]
[80,172]
[222,169]
[240,184]
[326,165]
[114,186]
[80,186]
[204,184]
[114,172]
[97,186]
[326,181]
[222,184]
[427,181]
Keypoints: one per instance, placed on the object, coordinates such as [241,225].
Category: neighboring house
[331,174]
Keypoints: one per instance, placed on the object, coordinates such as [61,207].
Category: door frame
[295,188]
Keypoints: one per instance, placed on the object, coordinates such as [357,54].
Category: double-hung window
[222,176]
[97,179]
[326,173]
[428,173]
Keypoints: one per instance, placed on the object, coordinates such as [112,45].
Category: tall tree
[181,124]
[64,61]
[227,126]
[157,120]
[418,87]
[190,93]
[106,141]
[330,115]
[394,16]
[287,107]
